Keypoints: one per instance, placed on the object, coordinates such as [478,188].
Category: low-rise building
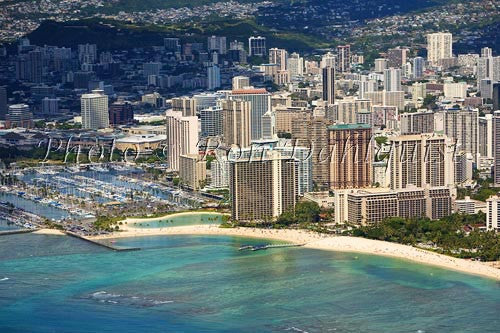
[144,144]
[323,199]
[469,206]
[372,205]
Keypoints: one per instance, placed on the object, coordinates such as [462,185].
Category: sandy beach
[49,232]
[322,242]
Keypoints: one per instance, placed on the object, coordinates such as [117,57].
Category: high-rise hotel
[496,147]
[236,122]
[262,189]
[182,137]
[260,103]
[421,160]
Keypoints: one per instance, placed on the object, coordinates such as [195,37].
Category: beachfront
[322,242]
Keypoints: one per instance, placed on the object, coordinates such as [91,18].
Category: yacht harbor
[74,196]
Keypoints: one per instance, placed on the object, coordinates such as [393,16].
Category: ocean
[54,283]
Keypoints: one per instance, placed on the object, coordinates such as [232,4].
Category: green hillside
[118,35]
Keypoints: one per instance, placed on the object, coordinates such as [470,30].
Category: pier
[267,246]
[108,246]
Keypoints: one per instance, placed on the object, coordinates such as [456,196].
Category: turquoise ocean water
[204,284]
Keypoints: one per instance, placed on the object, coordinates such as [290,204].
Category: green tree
[304,211]
[307,211]
[40,124]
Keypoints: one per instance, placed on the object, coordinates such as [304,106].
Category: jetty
[267,246]
[16,231]
[108,246]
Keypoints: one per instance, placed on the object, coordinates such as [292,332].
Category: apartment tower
[351,156]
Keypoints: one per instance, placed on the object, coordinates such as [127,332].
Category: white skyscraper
[488,67]
[407,70]
[392,79]
[493,213]
[213,77]
[439,46]
[219,170]
[366,85]
[94,108]
[328,60]
[455,90]
[496,147]
[182,137]
[295,65]
[486,52]
[380,65]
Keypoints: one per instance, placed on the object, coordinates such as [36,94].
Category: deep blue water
[204,284]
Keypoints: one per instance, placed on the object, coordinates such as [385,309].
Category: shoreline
[317,241]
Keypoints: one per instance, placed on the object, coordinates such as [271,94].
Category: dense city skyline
[246,166]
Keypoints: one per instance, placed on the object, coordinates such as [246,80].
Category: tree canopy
[450,235]
[304,211]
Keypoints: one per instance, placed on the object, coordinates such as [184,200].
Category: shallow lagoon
[178,219]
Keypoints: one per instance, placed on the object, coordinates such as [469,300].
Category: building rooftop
[142,138]
[349,126]
[250,91]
